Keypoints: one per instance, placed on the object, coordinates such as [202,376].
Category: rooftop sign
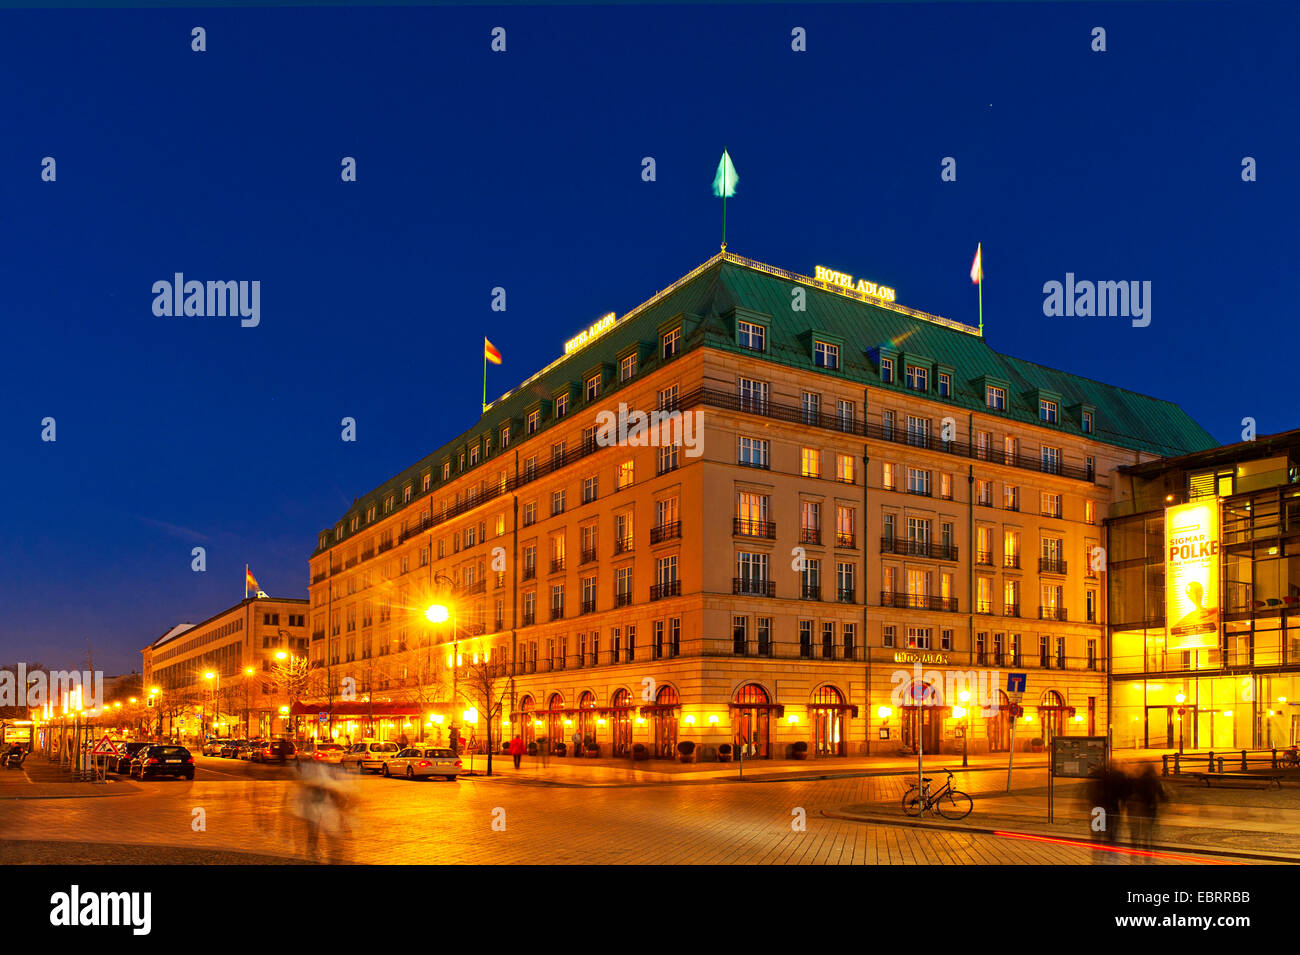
[844,280]
[597,328]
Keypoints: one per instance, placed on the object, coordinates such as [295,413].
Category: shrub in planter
[560,749]
[639,751]
[532,749]
[686,751]
[593,751]
[1036,744]
[724,753]
[799,750]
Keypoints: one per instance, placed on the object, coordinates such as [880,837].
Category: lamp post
[211,676]
[248,729]
[440,613]
[964,696]
[1180,699]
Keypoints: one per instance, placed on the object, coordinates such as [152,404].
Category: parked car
[155,760]
[272,751]
[423,761]
[213,747]
[230,748]
[246,747]
[369,754]
[322,752]
[128,751]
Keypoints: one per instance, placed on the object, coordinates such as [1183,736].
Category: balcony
[917,548]
[587,555]
[527,618]
[1052,613]
[623,599]
[1011,561]
[663,532]
[669,588]
[810,535]
[747,528]
[530,572]
[753,587]
[557,613]
[903,601]
[557,565]
[984,558]
[622,545]
[588,606]
[847,541]
[319,577]
[811,591]
[1051,565]
[1011,610]
[845,595]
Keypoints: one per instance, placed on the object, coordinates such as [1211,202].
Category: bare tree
[486,688]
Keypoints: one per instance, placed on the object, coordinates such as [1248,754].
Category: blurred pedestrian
[517,749]
[576,739]
[1146,793]
[324,803]
[453,738]
[1107,793]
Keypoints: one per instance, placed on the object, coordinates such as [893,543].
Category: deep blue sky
[523,170]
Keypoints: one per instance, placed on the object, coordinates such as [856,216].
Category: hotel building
[1204,595]
[847,501]
[229,645]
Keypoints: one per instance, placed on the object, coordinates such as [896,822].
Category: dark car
[230,748]
[156,761]
[129,750]
[272,751]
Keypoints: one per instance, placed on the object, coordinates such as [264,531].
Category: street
[242,808]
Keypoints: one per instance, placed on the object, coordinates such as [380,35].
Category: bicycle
[1291,758]
[948,802]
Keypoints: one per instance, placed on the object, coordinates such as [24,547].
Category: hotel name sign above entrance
[846,281]
[591,333]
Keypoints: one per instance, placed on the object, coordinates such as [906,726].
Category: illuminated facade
[735,515]
[244,637]
[1204,582]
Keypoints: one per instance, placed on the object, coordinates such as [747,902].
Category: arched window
[586,730]
[752,693]
[554,720]
[622,720]
[751,719]
[527,731]
[1051,713]
[827,715]
[665,721]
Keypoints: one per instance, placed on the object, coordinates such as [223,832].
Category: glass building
[1203,583]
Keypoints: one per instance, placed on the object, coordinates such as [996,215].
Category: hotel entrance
[998,726]
[664,717]
[751,728]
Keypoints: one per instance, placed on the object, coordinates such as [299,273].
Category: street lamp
[216,701]
[1180,699]
[964,696]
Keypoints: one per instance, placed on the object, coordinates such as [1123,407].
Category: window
[473,460]
[667,458]
[844,526]
[668,399]
[751,513]
[918,431]
[1090,512]
[1011,549]
[810,462]
[561,406]
[983,595]
[505,437]
[918,378]
[427,482]
[889,476]
[812,408]
[530,513]
[810,522]
[406,494]
[1085,423]
[1011,497]
[1011,598]
[627,368]
[623,477]
[984,493]
[887,526]
[846,415]
[945,385]
[918,481]
[750,335]
[945,639]
[844,468]
[753,395]
[739,634]
[1051,504]
[623,586]
[591,388]
[945,486]
[888,635]
[557,502]
[672,343]
[1090,604]
[826,355]
[845,581]
[995,397]
[918,638]
[887,370]
[753,452]
[1047,410]
[534,422]
[1051,460]
[983,444]
[887,424]
[588,489]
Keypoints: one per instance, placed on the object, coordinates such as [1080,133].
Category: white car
[368,754]
[417,761]
[322,752]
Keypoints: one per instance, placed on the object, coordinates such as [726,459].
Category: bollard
[1176,769]
[1243,760]
[1164,768]
[1220,764]
[1211,760]
[1275,759]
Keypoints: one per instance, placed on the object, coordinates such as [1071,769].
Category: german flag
[250,582]
[490,352]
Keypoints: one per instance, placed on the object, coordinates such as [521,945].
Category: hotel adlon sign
[1192,576]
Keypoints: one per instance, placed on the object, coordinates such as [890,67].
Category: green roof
[865,329]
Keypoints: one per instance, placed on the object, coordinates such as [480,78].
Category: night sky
[523,169]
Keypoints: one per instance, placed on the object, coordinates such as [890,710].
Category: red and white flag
[977,267]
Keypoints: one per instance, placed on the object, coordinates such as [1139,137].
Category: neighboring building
[1204,581]
[245,636]
[869,486]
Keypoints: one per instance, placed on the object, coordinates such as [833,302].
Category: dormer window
[918,378]
[995,397]
[945,385]
[591,388]
[505,436]
[751,335]
[826,355]
[1085,423]
[1047,411]
[534,421]
[672,342]
[627,368]
[473,456]
[446,470]
[887,370]
[561,406]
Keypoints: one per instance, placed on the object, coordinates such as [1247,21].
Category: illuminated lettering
[846,281]
[595,331]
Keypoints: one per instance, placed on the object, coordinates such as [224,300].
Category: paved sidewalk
[42,779]
[1260,825]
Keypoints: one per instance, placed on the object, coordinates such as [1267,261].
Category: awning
[347,709]
[655,709]
[776,709]
[849,708]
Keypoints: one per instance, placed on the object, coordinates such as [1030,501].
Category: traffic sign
[105,747]
[323,717]
[1016,682]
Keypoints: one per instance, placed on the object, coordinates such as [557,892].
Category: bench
[1266,779]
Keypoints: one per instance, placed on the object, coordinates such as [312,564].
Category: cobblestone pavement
[396,821]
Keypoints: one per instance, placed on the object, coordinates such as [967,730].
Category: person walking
[1146,793]
[453,738]
[517,749]
[1107,793]
[576,739]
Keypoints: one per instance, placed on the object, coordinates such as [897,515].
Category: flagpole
[245,581]
[724,201]
[485,376]
[981,297]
